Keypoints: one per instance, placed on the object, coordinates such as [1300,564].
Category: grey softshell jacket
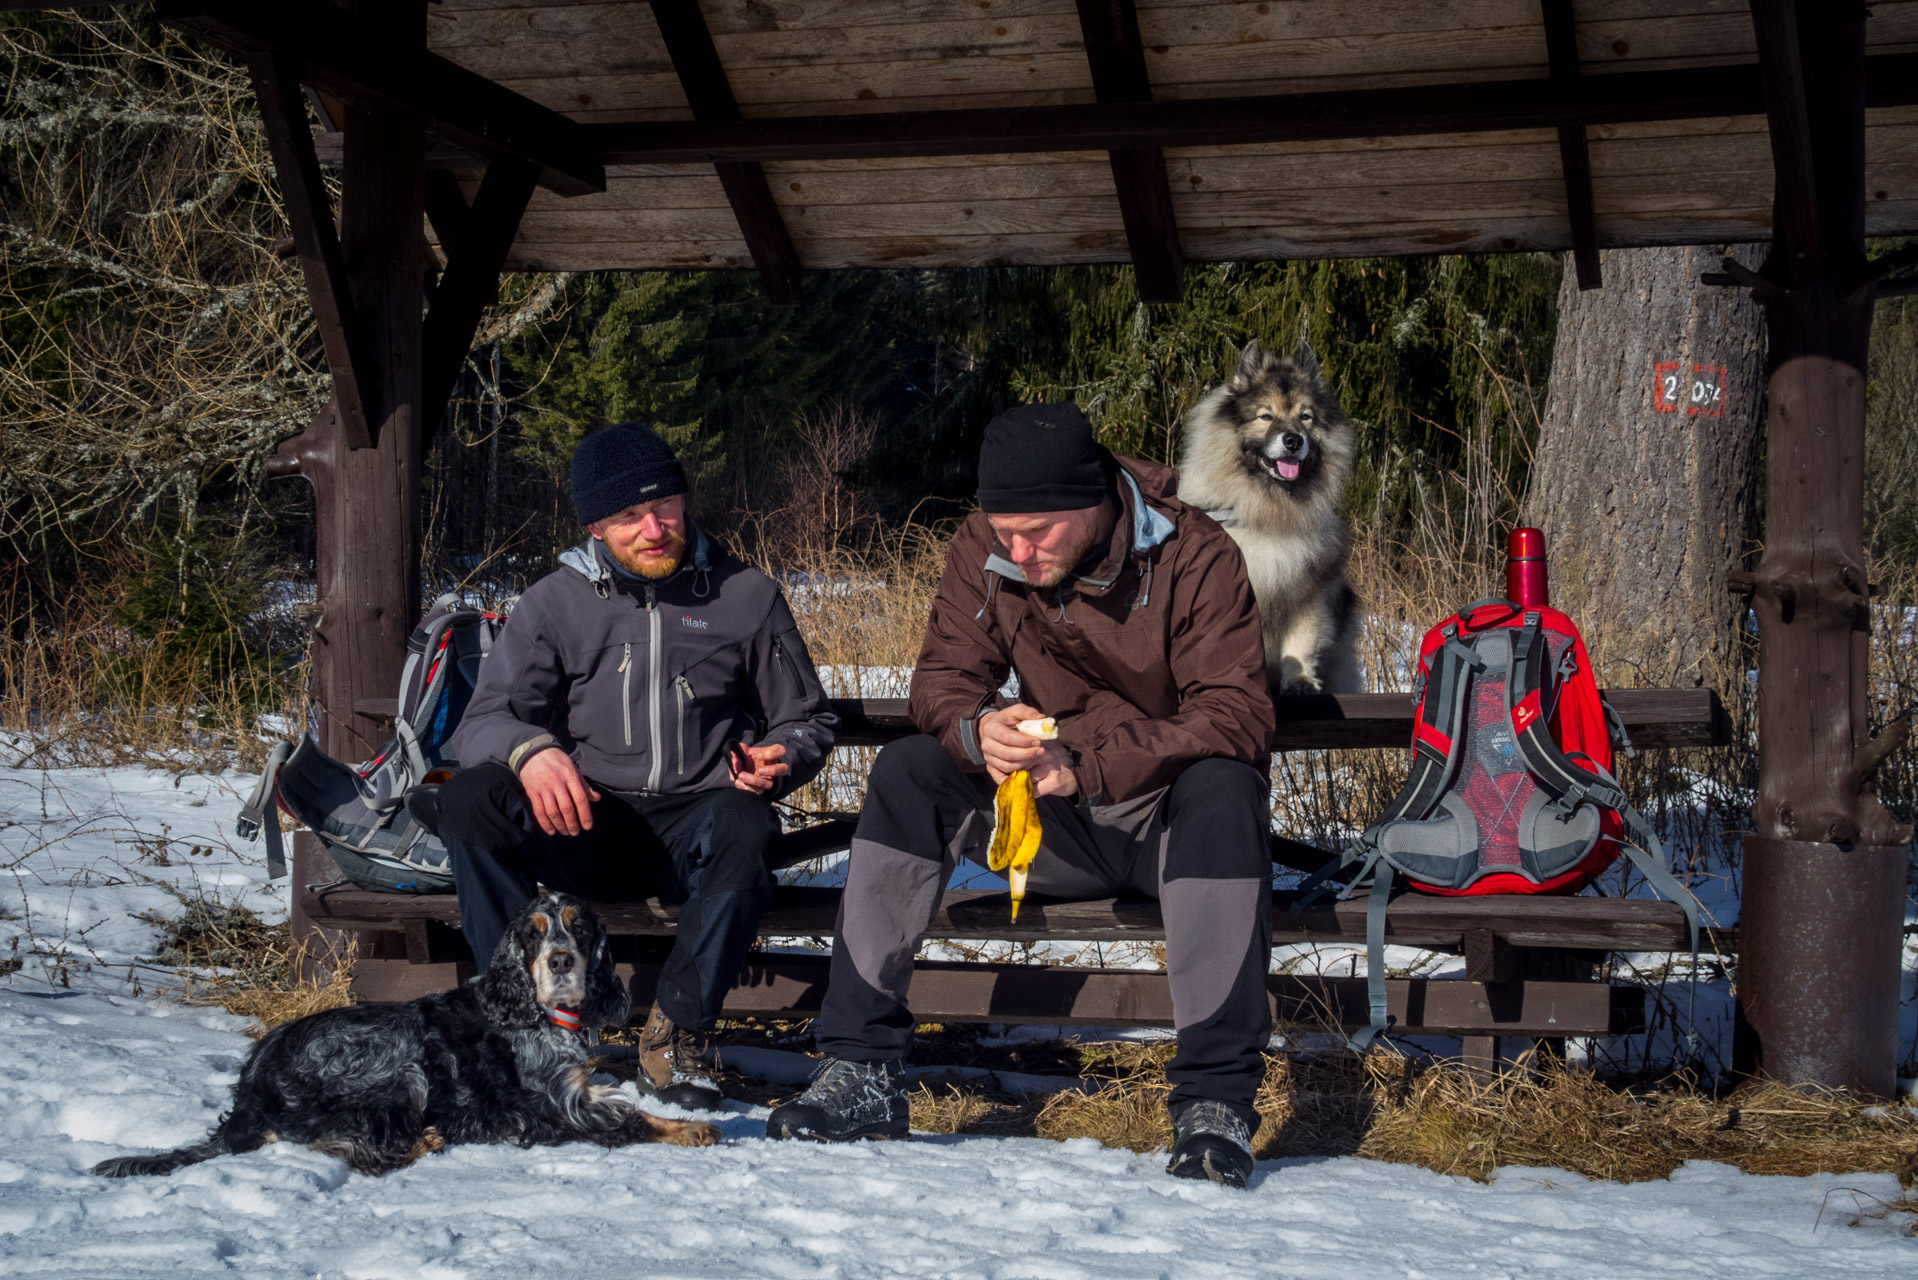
[645,684]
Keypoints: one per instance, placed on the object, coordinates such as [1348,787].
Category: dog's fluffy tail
[163,1163]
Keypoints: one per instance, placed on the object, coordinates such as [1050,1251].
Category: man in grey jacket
[628,733]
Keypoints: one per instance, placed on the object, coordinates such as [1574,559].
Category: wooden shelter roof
[1686,179]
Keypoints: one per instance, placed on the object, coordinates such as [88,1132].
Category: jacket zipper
[682,694]
[626,692]
[655,690]
[790,667]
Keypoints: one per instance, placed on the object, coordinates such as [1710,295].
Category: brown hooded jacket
[1150,661]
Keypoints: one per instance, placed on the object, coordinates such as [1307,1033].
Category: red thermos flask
[1525,568]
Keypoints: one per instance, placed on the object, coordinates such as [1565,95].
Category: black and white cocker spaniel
[500,1059]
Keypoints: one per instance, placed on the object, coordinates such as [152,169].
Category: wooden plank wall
[1655,183]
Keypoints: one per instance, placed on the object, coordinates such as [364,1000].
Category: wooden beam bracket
[471,284]
[689,43]
[315,239]
[1795,180]
[1574,152]
[1117,58]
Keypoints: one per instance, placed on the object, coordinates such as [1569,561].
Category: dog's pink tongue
[1287,468]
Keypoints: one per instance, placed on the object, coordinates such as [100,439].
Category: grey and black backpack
[359,812]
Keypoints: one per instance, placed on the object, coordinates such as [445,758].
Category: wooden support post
[1117,56]
[1574,155]
[366,501]
[1823,894]
[689,43]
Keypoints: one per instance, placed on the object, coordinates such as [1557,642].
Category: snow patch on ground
[90,857]
[96,1075]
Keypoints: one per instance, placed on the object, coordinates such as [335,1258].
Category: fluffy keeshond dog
[1268,455]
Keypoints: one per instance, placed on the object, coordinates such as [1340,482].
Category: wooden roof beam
[1574,153]
[689,43]
[317,241]
[1117,57]
[1794,178]
[354,59]
[1487,106]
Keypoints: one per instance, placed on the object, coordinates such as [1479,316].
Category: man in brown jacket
[1127,616]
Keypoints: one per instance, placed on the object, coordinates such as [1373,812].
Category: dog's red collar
[563,1018]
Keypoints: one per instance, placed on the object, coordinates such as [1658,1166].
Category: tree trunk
[1647,459]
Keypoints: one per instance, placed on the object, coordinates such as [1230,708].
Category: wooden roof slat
[1117,61]
[710,96]
[1575,158]
[338,52]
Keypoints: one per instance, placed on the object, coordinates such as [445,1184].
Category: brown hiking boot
[679,1066]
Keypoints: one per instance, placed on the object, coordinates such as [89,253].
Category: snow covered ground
[94,1070]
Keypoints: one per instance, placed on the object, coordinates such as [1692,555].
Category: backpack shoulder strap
[1566,783]
[261,812]
[1436,727]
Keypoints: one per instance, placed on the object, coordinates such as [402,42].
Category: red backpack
[1511,789]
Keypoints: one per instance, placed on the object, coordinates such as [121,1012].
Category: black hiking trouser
[706,850]
[1199,846]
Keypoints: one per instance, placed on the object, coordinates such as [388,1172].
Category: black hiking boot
[679,1066]
[1210,1141]
[845,1101]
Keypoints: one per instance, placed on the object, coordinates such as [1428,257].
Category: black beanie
[1040,457]
[620,466]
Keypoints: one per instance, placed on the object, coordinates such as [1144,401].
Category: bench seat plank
[794,985]
[1413,919]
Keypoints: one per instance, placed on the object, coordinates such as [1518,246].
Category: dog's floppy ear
[506,989]
[1307,359]
[1251,365]
[607,1000]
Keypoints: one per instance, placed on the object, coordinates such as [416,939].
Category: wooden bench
[1529,961]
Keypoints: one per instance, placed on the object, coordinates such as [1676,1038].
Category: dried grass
[1444,1118]
[225,956]
[94,694]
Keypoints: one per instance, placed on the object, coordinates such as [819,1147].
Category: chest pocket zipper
[682,694]
[790,667]
[626,692]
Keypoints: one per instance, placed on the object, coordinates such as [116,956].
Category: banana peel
[1015,820]
[1015,833]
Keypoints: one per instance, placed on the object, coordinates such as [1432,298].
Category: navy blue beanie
[1040,457]
[620,466]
